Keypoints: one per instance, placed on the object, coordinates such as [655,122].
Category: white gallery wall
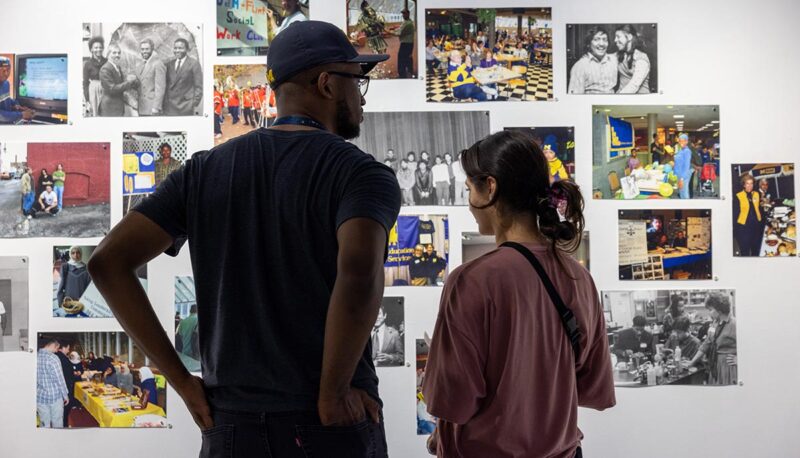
[738,54]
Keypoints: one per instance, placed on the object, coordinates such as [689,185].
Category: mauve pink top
[501,375]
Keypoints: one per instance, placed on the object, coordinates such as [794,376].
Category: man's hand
[66,401]
[348,410]
[731,360]
[193,394]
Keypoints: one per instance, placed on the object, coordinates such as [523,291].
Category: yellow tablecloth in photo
[106,417]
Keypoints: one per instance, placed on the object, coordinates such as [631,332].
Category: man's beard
[344,124]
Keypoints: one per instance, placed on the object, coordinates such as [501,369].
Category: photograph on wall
[385,27]
[672,337]
[764,217]
[426,423]
[655,152]
[33,89]
[558,146]
[419,251]
[475,245]
[427,162]
[74,293]
[246,27]
[147,159]
[243,101]
[664,245]
[485,54]
[54,189]
[142,69]
[388,334]
[187,337]
[13,303]
[612,58]
[97,380]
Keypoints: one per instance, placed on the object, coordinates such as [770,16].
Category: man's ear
[325,86]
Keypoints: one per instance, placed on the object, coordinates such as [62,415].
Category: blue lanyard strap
[299,121]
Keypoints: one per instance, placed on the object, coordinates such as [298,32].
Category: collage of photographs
[639,151]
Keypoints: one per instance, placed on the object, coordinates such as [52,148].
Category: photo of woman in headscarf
[74,281]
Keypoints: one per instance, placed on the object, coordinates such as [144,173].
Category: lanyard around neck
[299,121]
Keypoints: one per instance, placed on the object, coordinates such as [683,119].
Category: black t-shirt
[260,213]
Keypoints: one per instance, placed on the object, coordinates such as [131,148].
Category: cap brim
[368,61]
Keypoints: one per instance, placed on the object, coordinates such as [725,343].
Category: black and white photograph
[54,189]
[187,336]
[33,89]
[147,159]
[642,152]
[389,334]
[764,218]
[427,161]
[97,380]
[13,303]
[247,27]
[475,245]
[665,244]
[612,58]
[488,54]
[558,146]
[74,293]
[418,251]
[142,69]
[672,337]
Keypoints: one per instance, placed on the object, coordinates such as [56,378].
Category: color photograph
[655,152]
[187,337]
[147,159]
[243,100]
[97,380]
[612,58]
[246,27]
[385,27]
[664,244]
[54,189]
[13,303]
[485,54]
[74,294]
[389,334]
[558,146]
[426,163]
[419,251]
[33,89]
[142,69]
[764,214]
[475,245]
[672,337]
[426,423]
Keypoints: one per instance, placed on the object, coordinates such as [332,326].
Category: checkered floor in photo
[539,87]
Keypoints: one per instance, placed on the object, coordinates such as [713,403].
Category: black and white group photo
[142,69]
[612,58]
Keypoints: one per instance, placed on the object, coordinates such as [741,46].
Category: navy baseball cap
[308,44]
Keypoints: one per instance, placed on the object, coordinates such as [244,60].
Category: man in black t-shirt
[656,150]
[287,229]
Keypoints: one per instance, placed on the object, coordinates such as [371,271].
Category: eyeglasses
[363,80]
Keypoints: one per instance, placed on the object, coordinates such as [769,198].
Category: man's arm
[352,312]
[131,244]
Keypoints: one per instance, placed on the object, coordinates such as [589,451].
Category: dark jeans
[405,64]
[217,125]
[289,435]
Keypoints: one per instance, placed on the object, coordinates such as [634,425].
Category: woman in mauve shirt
[501,377]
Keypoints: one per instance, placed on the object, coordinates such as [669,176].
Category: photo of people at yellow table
[655,152]
[97,379]
[664,244]
[764,213]
[480,54]
[475,245]
[558,146]
[672,337]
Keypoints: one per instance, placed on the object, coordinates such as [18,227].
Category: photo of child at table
[118,390]
[764,217]
[676,337]
[656,152]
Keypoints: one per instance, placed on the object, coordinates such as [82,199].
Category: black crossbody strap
[568,319]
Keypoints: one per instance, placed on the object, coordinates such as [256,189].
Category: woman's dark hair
[94,40]
[587,39]
[719,302]
[44,172]
[438,157]
[364,4]
[636,43]
[673,304]
[523,186]
[682,324]
[422,161]
[165,144]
